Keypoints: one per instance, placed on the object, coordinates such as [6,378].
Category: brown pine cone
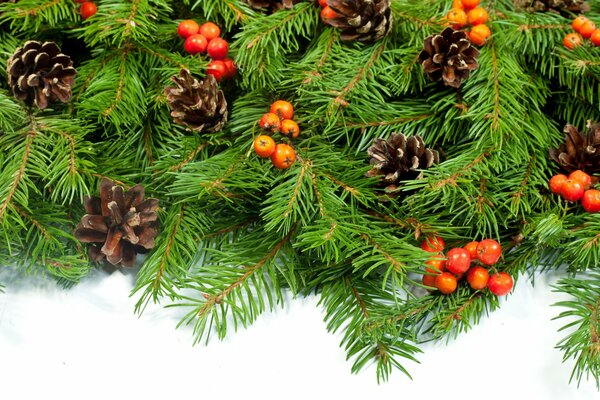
[362,20]
[198,104]
[449,57]
[39,73]
[580,151]
[400,158]
[118,224]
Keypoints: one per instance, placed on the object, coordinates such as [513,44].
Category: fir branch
[582,343]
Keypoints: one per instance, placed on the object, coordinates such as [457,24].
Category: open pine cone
[272,6]
[199,105]
[559,6]
[400,158]
[39,73]
[362,20]
[580,151]
[118,224]
[449,57]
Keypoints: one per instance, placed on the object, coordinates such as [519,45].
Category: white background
[86,343]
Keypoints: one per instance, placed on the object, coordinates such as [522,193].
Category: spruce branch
[581,343]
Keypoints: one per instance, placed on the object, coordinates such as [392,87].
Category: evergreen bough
[235,233]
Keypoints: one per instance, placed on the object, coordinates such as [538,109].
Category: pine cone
[272,6]
[400,158]
[449,56]
[362,20]
[119,224]
[39,73]
[559,6]
[579,151]
[199,105]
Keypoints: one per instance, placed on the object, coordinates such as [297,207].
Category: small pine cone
[272,6]
[118,224]
[199,105]
[39,73]
[580,151]
[362,20]
[559,6]
[400,158]
[449,56]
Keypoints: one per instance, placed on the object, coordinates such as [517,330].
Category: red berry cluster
[278,120]
[585,29]
[576,187]
[206,38]
[87,8]
[444,273]
[327,12]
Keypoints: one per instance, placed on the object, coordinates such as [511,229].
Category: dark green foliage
[237,234]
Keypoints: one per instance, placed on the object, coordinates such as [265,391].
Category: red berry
[231,69]
[446,282]
[471,247]
[87,9]
[489,251]
[209,31]
[187,28]
[195,44]
[433,244]
[323,3]
[591,200]
[582,178]
[328,13]
[458,260]
[217,48]
[290,128]
[556,183]
[217,68]
[500,284]
[478,277]
[572,190]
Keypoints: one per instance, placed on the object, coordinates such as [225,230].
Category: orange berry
[283,109]
[578,22]
[429,280]
[270,122]
[284,156]
[587,29]
[458,4]
[477,16]
[596,37]
[479,34]
[457,18]
[581,177]
[471,247]
[469,4]
[290,128]
[478,277]
[436,265]
[572,40]
[446,282]
[264,146]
